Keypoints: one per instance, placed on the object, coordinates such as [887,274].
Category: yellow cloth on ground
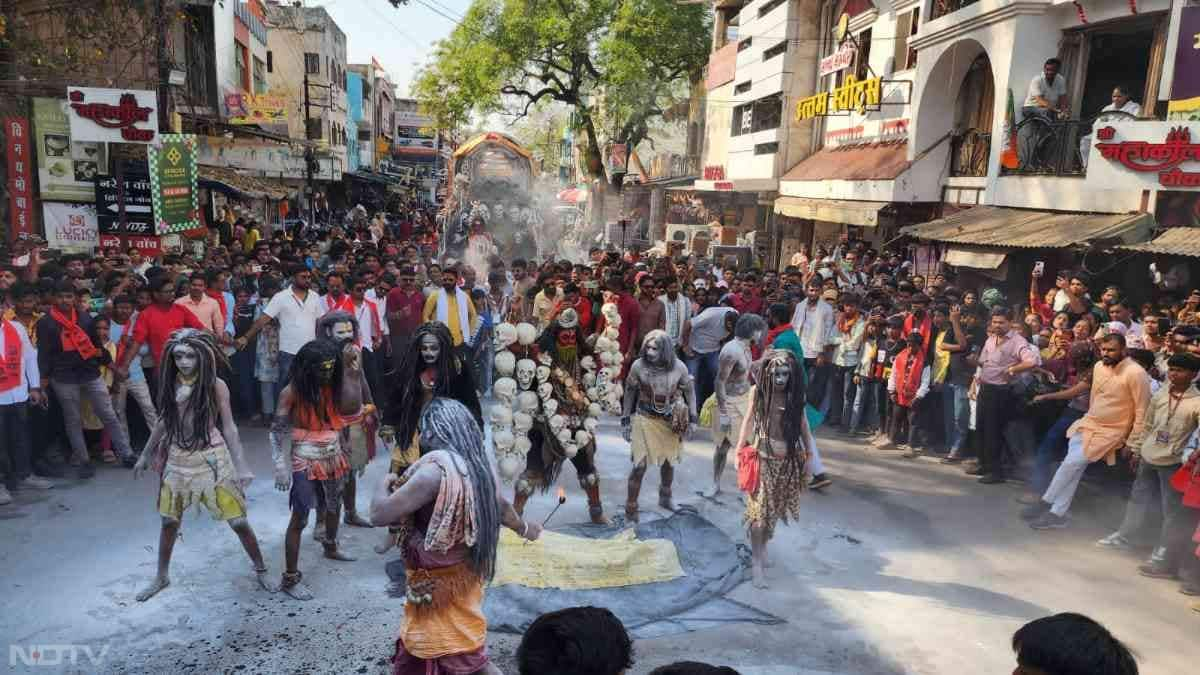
[578,563]
[653,439]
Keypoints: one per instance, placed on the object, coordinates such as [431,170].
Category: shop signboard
[139,206]
[20,177]
[853,95]
[70,228]
[173,183]
[246,108]
[112,115]
[148,245]
[67,168]
[263,159]
[839,60]
[1145,155]
[1185,85]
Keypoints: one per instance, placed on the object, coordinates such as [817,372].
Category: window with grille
[743,87]
[776,50]
[312,63]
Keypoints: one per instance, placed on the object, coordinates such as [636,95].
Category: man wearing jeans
[813,322]
[1115,419]
[962,343]
[123,322]
[1005,355]
[20,383]
[851,327]
[702,337]
[69,362]
[296,309]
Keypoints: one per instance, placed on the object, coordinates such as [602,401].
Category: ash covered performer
[198,463]
[552,443]
[428,369]
[449,510]
[733,389]
[771,470]
[660,389]
[309,461]
[357,408]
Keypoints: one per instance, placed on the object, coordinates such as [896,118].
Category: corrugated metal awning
[1183,241]
[1020,228]
[866,161]
[227,180]
[864,214]
[978,258]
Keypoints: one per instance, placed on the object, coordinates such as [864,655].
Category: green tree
[620,61]
[541,132]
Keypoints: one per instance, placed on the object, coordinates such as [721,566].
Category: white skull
[521,446]
[613,372]
[582,437]
[616,391]
[544,391]
[506,363]
[544,359]
[556,423]
[587,363]
[608,358]
[503,440]
[603,344]
[525,372]
[549,407]
[565,436]
[589,379]
[543,373]
[611,316]
[527,401]
[612,333]
[522,423]
[505,390]
[603,378]
[594,410]
[526,334]
[504,336]
[501,417]
[571,449]
[509,465]
[593,393]
[590,424]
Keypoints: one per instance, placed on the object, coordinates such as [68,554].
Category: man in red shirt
[155,325]
[405,303]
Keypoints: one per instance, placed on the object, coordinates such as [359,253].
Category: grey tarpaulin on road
[710,559]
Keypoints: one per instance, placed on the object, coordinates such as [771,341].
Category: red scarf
[908,368]
[74,339]
[220,298]
[926,329]
[345,304]
[10,360]
[376,326]
[846,323]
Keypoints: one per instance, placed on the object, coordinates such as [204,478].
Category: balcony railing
[969,152]
[944,7]
[1049,147]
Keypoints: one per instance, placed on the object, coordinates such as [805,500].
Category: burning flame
[562,495]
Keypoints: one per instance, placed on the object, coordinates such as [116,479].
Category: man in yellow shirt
[251,237]
[451,306]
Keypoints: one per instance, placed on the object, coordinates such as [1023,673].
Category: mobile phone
[1039,268]
[256,268]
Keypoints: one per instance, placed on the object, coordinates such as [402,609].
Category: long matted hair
[454,380]
[305,375]
[201,405]
[446,425]
[794,413]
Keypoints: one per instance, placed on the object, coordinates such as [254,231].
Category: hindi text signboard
[139,206]
[1145,155]
[20,177]
[112,115]
[70,228]
[173,183]
[67,167]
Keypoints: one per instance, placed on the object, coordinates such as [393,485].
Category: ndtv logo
[55,655]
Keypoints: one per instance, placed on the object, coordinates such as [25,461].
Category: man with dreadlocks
[449,510]
[771,469]
[428,369]
[661,389]
[357,408]
[309,462]
[198,463]
[733,389]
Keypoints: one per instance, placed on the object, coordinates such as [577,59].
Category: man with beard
[677,310]
[661,389]
[356,407]
[404,305]
[309,461]
[451,306]
[296,310]
[1114,421]
[428,369]
[651,312]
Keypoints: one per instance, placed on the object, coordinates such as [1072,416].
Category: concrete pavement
[901,566]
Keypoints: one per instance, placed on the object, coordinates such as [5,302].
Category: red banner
[20,181]
[148,245]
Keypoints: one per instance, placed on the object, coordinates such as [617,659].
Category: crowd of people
[1006,385]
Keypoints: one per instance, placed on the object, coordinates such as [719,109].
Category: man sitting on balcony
[1120,103]
[1047,98]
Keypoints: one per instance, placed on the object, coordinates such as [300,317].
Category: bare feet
[354,520]
[759,577]
[387,544]
[265,581]
[293,586]
[333,553]
[598,518]
[665,502]
[155,586]
[319,531]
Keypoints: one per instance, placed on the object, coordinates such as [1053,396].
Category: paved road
[899,567]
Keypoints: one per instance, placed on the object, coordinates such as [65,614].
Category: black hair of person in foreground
[1070,644]
[693,668]
[575,641]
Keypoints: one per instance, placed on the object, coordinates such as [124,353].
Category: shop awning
[1020,228]
[229,181]
[868,161]
[978,258]
[1183,241]
[864,214]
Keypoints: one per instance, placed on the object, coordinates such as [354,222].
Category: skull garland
[525,372]
[504,337]
[506,364]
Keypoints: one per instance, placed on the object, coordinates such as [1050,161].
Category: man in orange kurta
[1115,419]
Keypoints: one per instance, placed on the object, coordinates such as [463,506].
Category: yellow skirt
[655,441]
[201,478]
[452,621]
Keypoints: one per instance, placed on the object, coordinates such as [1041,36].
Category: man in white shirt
[1121,103]
[296,310]
[372,333]
[1046,98]
[20,384]
[813,322]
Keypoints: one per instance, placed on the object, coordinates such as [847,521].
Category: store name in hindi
[1163,158]
[123,116]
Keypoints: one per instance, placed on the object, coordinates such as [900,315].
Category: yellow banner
[853,95]
[247,108]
